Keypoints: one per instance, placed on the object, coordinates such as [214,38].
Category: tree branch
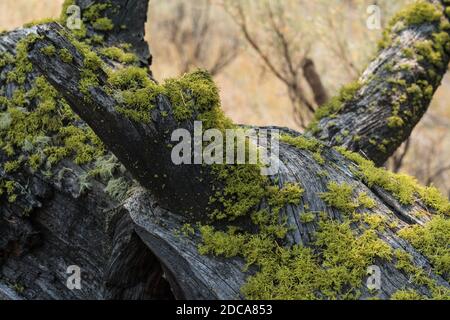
[145,154]
[158,215]
[128,20]
[378,114]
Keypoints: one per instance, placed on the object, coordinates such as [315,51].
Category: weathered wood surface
[65,227]
[128,249]
[366,115]
[195,276]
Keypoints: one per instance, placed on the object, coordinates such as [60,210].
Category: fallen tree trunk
[309,231]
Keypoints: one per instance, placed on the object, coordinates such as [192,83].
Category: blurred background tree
[276,61]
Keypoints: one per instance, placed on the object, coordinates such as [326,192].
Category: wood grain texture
[366,116]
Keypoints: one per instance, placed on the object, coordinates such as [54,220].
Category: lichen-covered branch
[137,111]
[60,189]
[323,218]
[376,114]
[112,23]
[220,231]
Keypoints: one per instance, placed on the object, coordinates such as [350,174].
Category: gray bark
[366,115]
[131,250]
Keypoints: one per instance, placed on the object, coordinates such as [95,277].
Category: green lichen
[93,64]
[278,198]
[22,66]
[103,24]
[39,22]
[405,188]
[364,200]
[95,15]
[341,197]
[307,217]
[407,295]
[187,230]
[38,130]
[117,188]
[130,78]
[414,14]
[65,55]
[193,96]
[226,244]
[426,50]
[243,190]
[31,118]
[119,55]
[11,166]
[194,93]
[8,187]
[419,276]
[336,271]
[346,94]
[95,11]
[408,52]
[432,239]
[304,143]
[395,122]
[49,50]
[418,13]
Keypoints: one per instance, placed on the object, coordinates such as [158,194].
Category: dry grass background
[252,95]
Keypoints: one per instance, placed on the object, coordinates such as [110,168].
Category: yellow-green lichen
[414,14]
[395,122]
[346,94]
[93,64]
[278,198]
[335,271]
[187,230]
[49,50]
[37,131]
[118,54]
[304,143]
[103,24]
[341,196]
[419,276]
[243,189]
[193,96]
[117,188]
[65,55]
[408,294]
[432,239]
[39,22]
[22,66]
